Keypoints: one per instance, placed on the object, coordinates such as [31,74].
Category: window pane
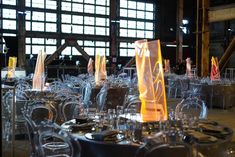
[77,29]
[65,18]
[100,10]
[9,13]
[9,24]
[51,17]
[149,7]
[131,33]
[140,34]
[149,15]
[51,41]
[75,52]
[81,1]
[66,51]
[37,26]
[9,2]
[51,4]
[140,14]
[77,19]
[131,24]
[131,52]
[38,16]
[122,44]
[28,40]
[37,48]
[27,3]
[38,40]
[90,1]
[100,51]
[28,15]
[66,28]
[89,51]
[28,26]
[123,12]
[149,25]
[100,43]
[100,2]
[123,3]
[149,34]
[77,7]
[123,52]
[140,25]
[140,6]
[100,30]
[89,20]
[37,4]
[50,49]
[89,8]
[66,6]
[123,32]
[100,21]
[89,43]
[123,23]
[131,4]
[132,13]
[50,27]
[28,49]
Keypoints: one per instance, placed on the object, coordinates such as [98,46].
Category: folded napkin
[107,135]
[85,127]
[200,137]
[82,120]
[211,128]
[208,122]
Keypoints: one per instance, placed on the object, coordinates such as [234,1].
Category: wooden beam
[21,34]
[130,62]
[227,54]
[68,42]
[179,32]
[55,54]
[84,54]
[205,39]
[222,13]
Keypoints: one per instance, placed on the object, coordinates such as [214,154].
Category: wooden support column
[114,24]
[205,39]
[179,32]
[58,31]
[21,34]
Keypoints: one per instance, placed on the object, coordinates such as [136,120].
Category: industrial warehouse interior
[111,78]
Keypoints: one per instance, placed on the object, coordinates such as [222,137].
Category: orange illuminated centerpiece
[151,80]
[100,68]
[11,67]
[215,73]
[39,76]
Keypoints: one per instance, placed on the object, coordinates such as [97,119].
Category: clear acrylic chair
[34,113]
[101,97]
[191,108]
[70,109]
[55,142]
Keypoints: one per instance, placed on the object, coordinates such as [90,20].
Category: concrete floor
[225,117]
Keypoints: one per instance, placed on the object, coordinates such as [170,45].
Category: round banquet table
[92,148]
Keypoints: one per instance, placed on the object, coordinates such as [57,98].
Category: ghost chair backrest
[191,107]
[102,97]
[53,141]
[70,109]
